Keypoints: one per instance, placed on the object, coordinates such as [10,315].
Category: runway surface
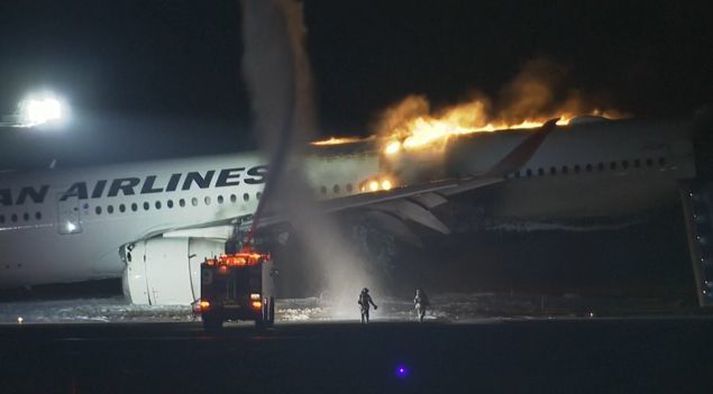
[673,354]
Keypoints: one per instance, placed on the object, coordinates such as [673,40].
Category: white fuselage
[68,225]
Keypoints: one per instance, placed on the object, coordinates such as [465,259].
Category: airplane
[153,223]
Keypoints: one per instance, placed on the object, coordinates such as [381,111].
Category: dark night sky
[162,78]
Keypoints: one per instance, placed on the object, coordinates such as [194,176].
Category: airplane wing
[408,203]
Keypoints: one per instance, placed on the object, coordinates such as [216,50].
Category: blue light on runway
[401,371]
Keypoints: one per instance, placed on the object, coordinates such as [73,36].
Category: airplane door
[68,218]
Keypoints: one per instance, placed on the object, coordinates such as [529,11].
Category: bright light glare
[71,227]
[34,111]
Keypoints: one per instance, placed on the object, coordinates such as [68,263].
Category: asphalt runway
[530,355]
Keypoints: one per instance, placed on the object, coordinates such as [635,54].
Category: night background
[162,78]
[148,80]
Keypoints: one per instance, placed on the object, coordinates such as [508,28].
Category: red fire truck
[237,286]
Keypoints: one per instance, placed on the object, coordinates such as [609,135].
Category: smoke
[278,75]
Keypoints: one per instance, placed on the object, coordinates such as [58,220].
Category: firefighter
[364,301]
[420,302]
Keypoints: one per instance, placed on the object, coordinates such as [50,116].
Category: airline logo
[149,184]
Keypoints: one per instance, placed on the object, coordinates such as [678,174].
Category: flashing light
[386,184]
[20,320]
[373,186]
[71,227]
[238,259]
[256,304]
[223,269]
[401,371]
[255,296]
[203,305]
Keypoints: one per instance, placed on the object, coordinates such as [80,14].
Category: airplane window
[169,204]
[38,215]
[600,166]
[182,203]
[565,169]
[158,204]
[206,200]
[146,206]
[649,162]
[98,210]
[233,198]
[625,164]
[26,216]
[612,165]
[259,195]
[588,168]
[13,217]
[122,208]
[553,170]
[637,163]
[529,172]
[349,187]
[246,197]
[335,189]
[540,171]
[576,168]
[194,201]
[110,209]
[220,199]
[662,161]
[323,189]
[134,207]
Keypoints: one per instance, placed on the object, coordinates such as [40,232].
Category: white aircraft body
[153,223]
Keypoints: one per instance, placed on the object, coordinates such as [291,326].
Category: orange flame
[339,141]
[532,98]
[402,129]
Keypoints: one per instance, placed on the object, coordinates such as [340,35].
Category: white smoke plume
[277,72]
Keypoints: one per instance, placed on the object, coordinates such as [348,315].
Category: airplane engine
[166,271]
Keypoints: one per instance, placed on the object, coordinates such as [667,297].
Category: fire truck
[237,286]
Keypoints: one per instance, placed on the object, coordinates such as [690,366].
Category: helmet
[365,290]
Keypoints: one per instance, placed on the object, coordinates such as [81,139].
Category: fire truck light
[255,296]
[223,269]
[256,304]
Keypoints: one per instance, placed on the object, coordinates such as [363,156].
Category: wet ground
[644,354]
[454,307]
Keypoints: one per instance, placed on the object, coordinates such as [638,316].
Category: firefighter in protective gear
[364,304]
[420,302]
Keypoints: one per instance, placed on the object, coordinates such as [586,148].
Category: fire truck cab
[235,287]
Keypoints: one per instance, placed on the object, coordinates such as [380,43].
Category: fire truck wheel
[212,323]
